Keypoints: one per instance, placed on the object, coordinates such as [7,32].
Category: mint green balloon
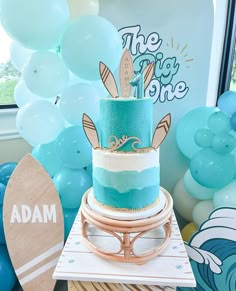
[86,42]
[36,24]
[196,190]
[45,74]
[226,197]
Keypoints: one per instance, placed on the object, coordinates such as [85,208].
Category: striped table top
[171,268]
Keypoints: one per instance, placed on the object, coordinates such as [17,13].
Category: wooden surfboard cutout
[161,131]
[108,80]
[148,74]
[90,131]
[126,73]
[33,225]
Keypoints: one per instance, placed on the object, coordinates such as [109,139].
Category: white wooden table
[86,271]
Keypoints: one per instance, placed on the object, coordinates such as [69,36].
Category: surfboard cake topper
[126,73]
[108,80]
[161,131]
[90,131]
[33,225]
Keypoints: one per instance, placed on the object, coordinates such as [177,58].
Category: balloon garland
[57,46]
[207,136]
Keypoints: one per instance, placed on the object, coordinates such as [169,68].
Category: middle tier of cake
[126,180]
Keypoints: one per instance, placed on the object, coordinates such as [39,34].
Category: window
[9,76]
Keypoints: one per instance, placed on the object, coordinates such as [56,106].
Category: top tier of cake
[126,123]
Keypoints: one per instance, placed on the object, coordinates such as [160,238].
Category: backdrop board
[177,36]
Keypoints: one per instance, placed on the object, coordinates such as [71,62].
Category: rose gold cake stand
[127,232]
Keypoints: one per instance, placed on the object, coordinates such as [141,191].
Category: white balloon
[82,7]
[201,211]
[183,202]
[23,95]
[19,55]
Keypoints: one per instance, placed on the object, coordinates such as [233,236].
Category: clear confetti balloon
[219,122]
[203,137]
[211,169]
[45,74]
[227,102]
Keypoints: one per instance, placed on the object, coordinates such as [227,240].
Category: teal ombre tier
[130,117]
[133,199]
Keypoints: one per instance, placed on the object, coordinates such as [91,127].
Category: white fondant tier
[122,214]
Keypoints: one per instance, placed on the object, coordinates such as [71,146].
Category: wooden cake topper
[148,74]
[161,131]
[126,73]
[33,225]
[90,131]
[108,80]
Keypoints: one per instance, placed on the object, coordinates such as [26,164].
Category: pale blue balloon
[203,137]
[37,24]
[86,42]
[219,122]
[73,148]
[71,185]
[48,157]
[187,127]
[69,218]
[45,74]
[227,102]
[77,100]
[195,189]
[23,95]
[19,55]
[226,197]
[39,122]
[211,169]
[223,143]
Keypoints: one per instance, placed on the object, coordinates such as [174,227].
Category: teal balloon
[37,24]
[219,122]
[226,197]
[69,218]
[6,170]
[223,143]
[77,100]
[2,235]
[89,170]
[87,41]
[2,193]
[7,274]
[39,122]
[48,157]
[23,95]
[227,102]
[73,148]
[233,121]
[187,127]
[211,169]
[45,74]
[203,137]
[71,185]
[196,190]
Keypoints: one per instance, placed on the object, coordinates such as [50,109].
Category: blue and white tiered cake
[126,169]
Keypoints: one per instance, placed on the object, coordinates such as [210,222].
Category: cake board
[85,270]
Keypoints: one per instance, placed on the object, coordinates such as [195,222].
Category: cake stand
[127,232]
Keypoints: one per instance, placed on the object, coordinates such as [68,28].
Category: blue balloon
[7,274]
[71,186]
[203,137]
[6,170]
[2,193]
[196,190]
[187,127]
[48,157]
[211,169]
[2,235]
[223,143]
[233,121]
[69,218]
[88,41]
[45,74]
[227,102]
[73,148]
[219,122]
[37,24]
